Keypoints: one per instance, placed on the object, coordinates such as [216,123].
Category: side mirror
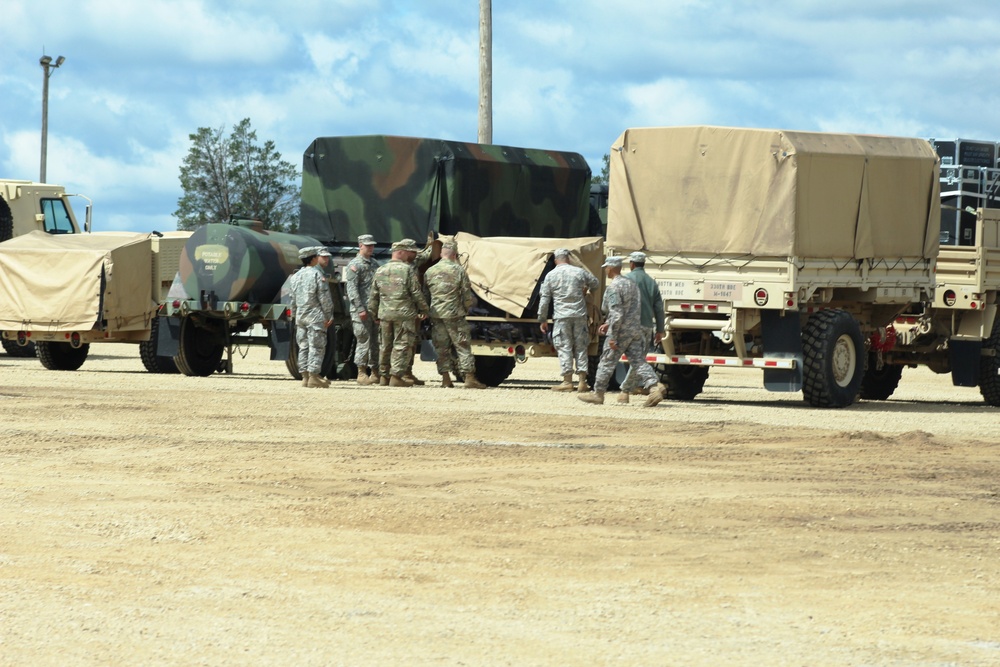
[86,215]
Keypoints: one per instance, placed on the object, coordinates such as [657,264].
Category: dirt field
[242,519]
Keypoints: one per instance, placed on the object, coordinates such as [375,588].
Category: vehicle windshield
[57,220]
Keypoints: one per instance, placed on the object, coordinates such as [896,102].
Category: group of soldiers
[634,310]
[387,303]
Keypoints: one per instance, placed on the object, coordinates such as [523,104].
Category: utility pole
[47,68]
[486,71]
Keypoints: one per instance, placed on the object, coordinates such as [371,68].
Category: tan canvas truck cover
[506,271]
[71,282]
[773,193]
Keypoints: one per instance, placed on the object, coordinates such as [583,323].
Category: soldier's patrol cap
[637,257]
[322,251]
[612,261]
[451,245]
[366,239]
[561,252]
[406,244]
[308,251]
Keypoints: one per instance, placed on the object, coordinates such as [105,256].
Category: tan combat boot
[376,377]
[383,381]
[472,383]
[582,386]
[595,397]
[567,384]
[396,381]
[412,379]
[305,378]
[446,381]
[316,382]
[656,394]
[363,378]
[623,397]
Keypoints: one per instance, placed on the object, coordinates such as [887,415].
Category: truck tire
[6,221]
[491,371]
[61,356]
[153,362]
[683,383]
[878,385]
[292,362]
[989,367]
[200,350]
[833,365]
[13,349]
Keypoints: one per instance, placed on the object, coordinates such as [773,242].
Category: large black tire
[833,361]
[292,362]
[14,350]
[61,356]
[491,371]
[6,221]
[989,367]
[683,383]
[151,360]
[200,349]
[878,385]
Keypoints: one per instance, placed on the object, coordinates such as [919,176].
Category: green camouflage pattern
[396,293]
[403,187]
[237,263]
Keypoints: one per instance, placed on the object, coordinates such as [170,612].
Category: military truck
[508,208]
[776,250]
[957,330]
[26,206]
[228,285]
[106,289]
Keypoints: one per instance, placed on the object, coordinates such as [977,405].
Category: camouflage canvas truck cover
[776,249]
[405,187]
[66,291]
[229,279]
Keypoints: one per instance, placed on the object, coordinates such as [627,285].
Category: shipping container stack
[970,179]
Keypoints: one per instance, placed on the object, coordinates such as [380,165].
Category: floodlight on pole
[47,68]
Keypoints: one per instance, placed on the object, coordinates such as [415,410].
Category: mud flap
[964,358]
[782,340]
[427,351]
[280,339]
[169,336]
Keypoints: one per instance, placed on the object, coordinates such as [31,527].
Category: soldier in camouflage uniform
[623,331]
[312,306]
[451,298]
[396,302]
[419,262]
[566,288]
[358,276]
[651,314]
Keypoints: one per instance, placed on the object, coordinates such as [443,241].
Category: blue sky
[141,75]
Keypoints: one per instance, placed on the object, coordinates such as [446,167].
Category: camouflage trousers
[631,379]
[396,341]
[635,351]
[311,342]
[448,333]
[570,336]
[366,342]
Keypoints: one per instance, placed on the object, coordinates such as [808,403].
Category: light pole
[47,67]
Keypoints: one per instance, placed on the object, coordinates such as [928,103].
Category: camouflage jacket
[358,276]
[652,303]
[622,301]
[565,288]
[451,293]
[396,293]
[310,296]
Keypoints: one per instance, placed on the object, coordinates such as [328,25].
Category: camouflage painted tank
[237,263]
[403,187]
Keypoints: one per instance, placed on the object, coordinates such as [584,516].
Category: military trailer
[507,207]
[228,285]
[776,250]
[106,289]
[26,206]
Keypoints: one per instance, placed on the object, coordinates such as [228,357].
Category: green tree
[234,176]
[605,174]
